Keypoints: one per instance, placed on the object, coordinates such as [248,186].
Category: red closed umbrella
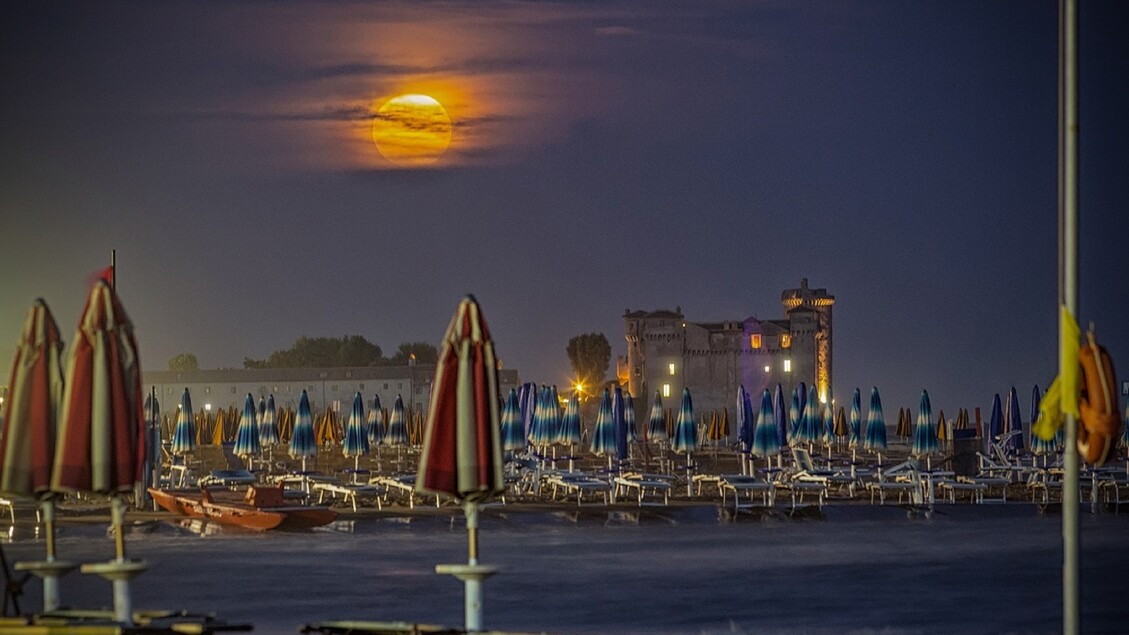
[462,451]
[101,442]
[27,437]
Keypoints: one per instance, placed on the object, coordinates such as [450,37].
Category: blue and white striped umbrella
[527,398]
[397,427]
[302,443]
[247,434]
[781,414]
[995,424]
[854,423]
[619,422]
[603,434]
[375,423]
[925,429]
[828,429]
[262,413]
[808,429]
[875,439]
[629,418]
[745,420]
[765,441]
[685,431]
[656,421]
[1039,447]
[268,424]
[795,415]
[543,427]
[1013,422]
[184,436]
[355,444]
[513,433]
[571,421]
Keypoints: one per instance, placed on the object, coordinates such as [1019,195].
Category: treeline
[349,350]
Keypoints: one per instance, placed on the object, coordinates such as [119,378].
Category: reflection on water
[968,569]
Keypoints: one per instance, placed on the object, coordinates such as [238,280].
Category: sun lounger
[656,487]
[228,478]
[997,484]
[738,484]
[578,485]
[349,493]
[951,489]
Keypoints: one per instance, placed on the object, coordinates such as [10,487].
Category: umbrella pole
[472,574]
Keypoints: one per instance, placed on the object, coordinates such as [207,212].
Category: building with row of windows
[666,352]
[331,388]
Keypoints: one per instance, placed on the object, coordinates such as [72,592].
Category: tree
[589,355]
[322,352]
[425,353]
[183,362]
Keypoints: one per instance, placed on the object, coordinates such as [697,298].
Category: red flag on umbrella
[462,453]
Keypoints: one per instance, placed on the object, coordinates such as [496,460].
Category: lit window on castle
[785,341]
[787,365]
[671,367]
[767,368]
[666,390]
[755,340]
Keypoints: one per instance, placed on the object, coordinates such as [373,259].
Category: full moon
[412,130]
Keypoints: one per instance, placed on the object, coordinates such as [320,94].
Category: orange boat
[260,509]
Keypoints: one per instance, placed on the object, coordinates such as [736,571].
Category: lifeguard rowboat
[260,509]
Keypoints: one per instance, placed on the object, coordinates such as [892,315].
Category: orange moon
[412,130]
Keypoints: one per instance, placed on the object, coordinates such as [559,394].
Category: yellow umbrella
[217,429]
[942,434]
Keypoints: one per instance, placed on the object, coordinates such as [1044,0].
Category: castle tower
[821,302]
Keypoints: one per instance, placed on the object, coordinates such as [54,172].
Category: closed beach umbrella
[795,415]
[462,454]
[28,426]
[247,434]
[765,441]
[629,417]
[875,439]
[656,422]
[1013,423]
[30,417]
[303,445]
[619,422]
[995,422]
[924,434]
[527,398]
[1039,446]
[603,433]
[903,428]
[268,425]
[101,442]
[841,430]
[745,422]
[778,409]
[375,423]
[397,428]
[513,434]
[828,428]
[685,432]
[808,431]
[184,436]
[541,430]
[855,420]
[570,423]
[355,443]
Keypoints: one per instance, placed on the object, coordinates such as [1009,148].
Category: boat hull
[203,505]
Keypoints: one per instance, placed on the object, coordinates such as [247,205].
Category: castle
[667,353]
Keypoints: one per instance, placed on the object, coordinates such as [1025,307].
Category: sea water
[849,569]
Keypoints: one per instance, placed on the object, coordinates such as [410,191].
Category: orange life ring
[1100,417]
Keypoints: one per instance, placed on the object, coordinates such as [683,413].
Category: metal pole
[473,584]
[1068,229]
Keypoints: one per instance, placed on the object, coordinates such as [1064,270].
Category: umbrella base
[466,572]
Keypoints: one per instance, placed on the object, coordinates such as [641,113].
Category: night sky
[603,157]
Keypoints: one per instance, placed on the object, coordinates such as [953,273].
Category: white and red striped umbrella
[31,411]
[462,453]
[101,441]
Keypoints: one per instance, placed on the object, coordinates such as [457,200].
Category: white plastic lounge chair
[642,486]
[349,493]
[899,480]
[738,484]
